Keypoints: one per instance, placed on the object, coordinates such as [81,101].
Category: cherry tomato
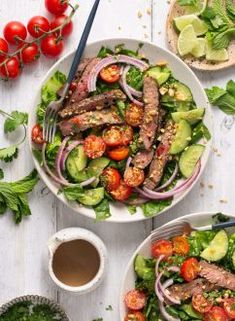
[229,307]
[112,136]
[201,304]
[190,269]
[180,245]
[162,247]
[37,135]
[51,46]
[58,21]
[56,6]
[118,153]
[94,146]
[110,74]
[111,178]
[37,26]
[135,316]
[134,115]
[127,135]
[30,53]
[216,314]
[14,32]
[122,192]
[133,176]
[135,300]
[3,48]
[11,69]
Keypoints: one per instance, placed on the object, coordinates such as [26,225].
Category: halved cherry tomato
[36,134]
[133,176]
[127,135]
[190,269]
[112,136]
[118,153]
[229,307]
[94,146]
[162,247]
[122,192]
[180,245]
[135,316]
[201,304]
[135,300]
[216,314]
[111,178]
[134,115]
[110,74]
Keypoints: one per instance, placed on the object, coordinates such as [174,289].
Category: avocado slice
[189,159]
[160,74]
[192,116]
[92,197]
[182,137]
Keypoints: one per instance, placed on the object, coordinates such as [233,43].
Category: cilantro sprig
[12,122]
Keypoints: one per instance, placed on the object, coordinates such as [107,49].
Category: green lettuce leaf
[102,210]
[153,207]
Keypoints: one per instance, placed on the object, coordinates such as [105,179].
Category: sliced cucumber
[181,93]
[217,249]
[192,116]
[182,137]
[141,269]
[96,166]
[76,163]
[92,197]
[233,260]
[160,74]
[187,308]
[189,159]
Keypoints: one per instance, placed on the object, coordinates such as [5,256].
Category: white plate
[128,283]
[154,53]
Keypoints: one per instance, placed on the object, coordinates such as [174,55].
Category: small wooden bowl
[201,64]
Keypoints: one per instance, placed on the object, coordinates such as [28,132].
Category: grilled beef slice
[81,91]
[187,290]
[97,102]
[87,120]
[217,275]
[150,122]
[161,157]
[143,158]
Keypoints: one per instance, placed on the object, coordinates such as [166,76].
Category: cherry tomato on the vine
[37,26]
[3,48]
[51,46]
[15,32]
[11,68]
[58,21]
[56,7]
[30,53]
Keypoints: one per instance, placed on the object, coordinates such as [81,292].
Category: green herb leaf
[231,87]
[38,155]
[1,174]
[109,308]
[230,10]
[191,3]
[9,153]
[214,94]
[220,218]
[73,192]
[102,210]
[26,184]
[218,8]
[131,209]
[200,131]
[135,78]
[121,107]
[104,52]
[15,120]
[222,39]
[153,207]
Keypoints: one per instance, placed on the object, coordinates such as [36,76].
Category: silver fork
[51,115]
[184,227]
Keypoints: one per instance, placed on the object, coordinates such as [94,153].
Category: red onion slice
[167,283]
[157,289]
[165,314]
[87,182]
[67,151]
[173,268]
[126,88]
[129,159]
[170,180]
[58,159]
[113,60]
[160,258]
[133,91]
[166,293]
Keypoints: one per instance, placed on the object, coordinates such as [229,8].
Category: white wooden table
[23,249]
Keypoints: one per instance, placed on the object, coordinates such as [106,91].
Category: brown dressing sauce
[75,263]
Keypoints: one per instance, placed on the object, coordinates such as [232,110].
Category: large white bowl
[154,53]
[128,282]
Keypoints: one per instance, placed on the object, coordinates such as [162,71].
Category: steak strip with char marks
[97,102]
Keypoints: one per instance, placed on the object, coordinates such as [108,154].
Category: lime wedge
[200,49]
[199,26]
[197,9]
[215,54]
[187,40]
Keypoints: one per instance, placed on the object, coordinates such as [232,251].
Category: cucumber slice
[76,163]
[233,260]
[187,308]
[92,197]
[160,74]
[192,116]
[217,249]
[96,166]
[182,137]
[189,159]
[141,268]
[181,93]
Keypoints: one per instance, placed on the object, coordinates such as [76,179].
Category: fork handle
[82,43]
[216,226]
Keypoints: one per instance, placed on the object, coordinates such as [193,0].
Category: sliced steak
[217,275]
[81,91]
[97,102]
[185,291]
[161,157]
[89,120]
[150,122]
[143,158]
